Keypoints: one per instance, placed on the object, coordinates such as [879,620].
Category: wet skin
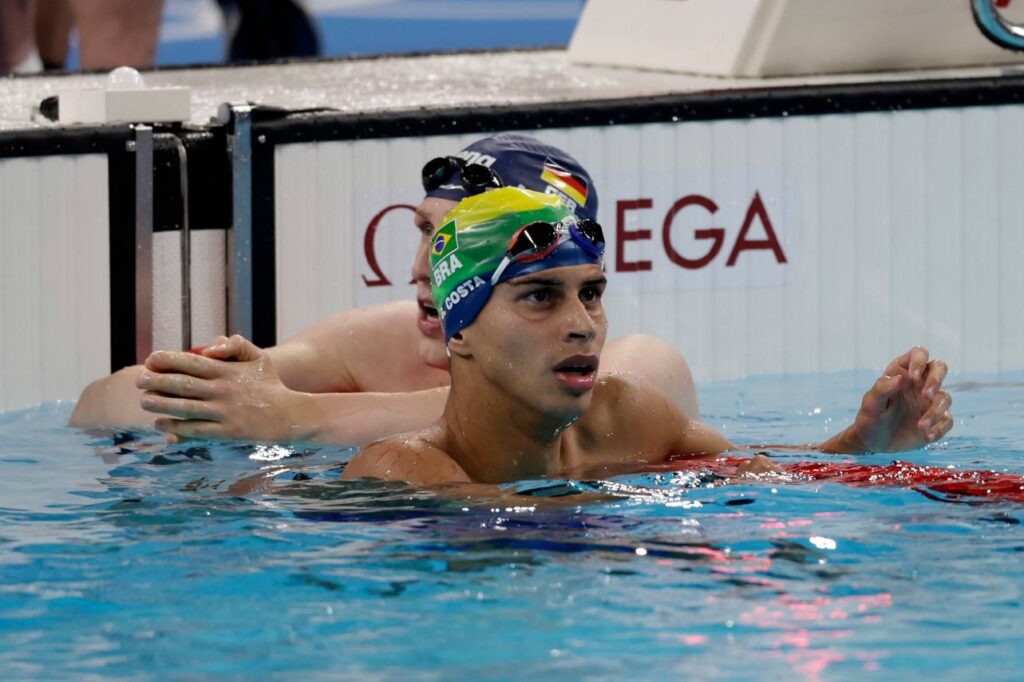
[527,401]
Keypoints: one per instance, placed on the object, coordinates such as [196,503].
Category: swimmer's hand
[905,410]
[228,392]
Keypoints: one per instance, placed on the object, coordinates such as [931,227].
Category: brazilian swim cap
[472,241]
[524,161]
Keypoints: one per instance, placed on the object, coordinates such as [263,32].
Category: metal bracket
[186,239]
[240,274]
[143,148]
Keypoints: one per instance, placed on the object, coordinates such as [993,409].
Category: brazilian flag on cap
[445,241]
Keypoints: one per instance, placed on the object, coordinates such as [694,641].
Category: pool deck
[432,82]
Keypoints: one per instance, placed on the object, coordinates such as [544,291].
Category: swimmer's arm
[111,401]
[905,409]
[323,358]
[203,397]
[115,400]
[315,360]
[360,418]
[329,356]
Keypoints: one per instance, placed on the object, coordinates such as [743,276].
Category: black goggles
[536,241]
[475,178]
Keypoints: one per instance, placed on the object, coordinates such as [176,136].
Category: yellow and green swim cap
[475,237]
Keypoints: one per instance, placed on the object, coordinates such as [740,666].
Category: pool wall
[774,230]
[71,259]
[828,243]
[54,283]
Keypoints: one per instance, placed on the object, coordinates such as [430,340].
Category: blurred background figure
[267,29]
[35,34]
[17,50]
[113,33]
[53,25]
[165,32]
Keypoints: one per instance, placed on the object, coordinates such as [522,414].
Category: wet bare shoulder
[627,411]
[409,458]
[625,396]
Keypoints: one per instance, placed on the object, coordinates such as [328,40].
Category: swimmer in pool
[365,373]
[518,281]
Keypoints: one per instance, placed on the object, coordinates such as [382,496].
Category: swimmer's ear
[457,345]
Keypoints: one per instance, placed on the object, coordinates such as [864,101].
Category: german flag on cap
[574,186]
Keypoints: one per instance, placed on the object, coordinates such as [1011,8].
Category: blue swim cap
[524,161]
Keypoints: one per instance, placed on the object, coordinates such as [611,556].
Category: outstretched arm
[204,396]
[325,358]
[905,409]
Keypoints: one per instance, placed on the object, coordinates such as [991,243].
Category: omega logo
[715,237]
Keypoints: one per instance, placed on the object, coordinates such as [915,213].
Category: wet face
[428,217]
[539,339]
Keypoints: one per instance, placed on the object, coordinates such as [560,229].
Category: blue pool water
[123,559]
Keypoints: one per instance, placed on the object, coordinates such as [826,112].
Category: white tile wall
[208,277]
[54,277]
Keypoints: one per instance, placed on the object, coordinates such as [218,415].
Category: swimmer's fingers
[183,363]
[174,385]
[935,417]
[913,362]
[935,374]
[876,400]
[236,348]
[189,428]
[178,407]
[941,427]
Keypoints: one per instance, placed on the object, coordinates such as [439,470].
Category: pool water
[124,559]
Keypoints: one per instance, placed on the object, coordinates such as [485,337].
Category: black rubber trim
[209,182]
[264,268]
[64,141]
[761,102]
[121,198]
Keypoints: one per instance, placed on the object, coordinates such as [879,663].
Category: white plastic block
[147,105]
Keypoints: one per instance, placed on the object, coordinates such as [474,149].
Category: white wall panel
[898,228]
[979,239]
[943,244]
[909,187]
[801,321]
[837,230]
[54,277]
[167,291]
[207,274]
[209,285]
[1011,240]
[872,226]
[766,149]
[296,201]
